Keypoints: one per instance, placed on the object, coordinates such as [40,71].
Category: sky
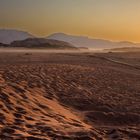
[107,19]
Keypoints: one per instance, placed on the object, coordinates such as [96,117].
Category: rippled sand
[69,96]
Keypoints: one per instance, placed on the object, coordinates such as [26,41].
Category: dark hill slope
[42,43]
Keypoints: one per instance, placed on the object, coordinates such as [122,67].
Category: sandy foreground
[69,96]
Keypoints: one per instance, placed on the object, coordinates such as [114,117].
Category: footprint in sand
[113,134]
[2,118]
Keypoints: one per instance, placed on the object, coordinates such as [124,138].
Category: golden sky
[106,19]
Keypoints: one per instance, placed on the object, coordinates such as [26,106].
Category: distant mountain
[125,49]
[8,35]
[81,41]
[42,43]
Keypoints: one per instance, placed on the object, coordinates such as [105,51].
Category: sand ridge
[26,110]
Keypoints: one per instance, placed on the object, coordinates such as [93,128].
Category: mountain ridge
[82,41]
[42,43]
[9,35]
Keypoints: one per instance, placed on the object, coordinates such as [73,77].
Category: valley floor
[69,96]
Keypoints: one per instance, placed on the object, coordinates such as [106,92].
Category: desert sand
[69,96]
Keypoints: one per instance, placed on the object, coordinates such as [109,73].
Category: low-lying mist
[28,50]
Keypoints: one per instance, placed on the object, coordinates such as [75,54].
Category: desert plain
[69,96]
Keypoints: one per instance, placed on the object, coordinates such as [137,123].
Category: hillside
[3,45]
[42,43]
[8,35]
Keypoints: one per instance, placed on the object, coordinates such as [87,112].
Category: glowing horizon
[113,20]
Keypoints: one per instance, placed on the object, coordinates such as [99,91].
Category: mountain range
[7,36]
[82,41]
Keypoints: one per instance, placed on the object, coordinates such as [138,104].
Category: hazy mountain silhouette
[81,41]
[8,35]
[42,43]
[125,49]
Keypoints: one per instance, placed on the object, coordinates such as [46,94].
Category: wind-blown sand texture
[54,96]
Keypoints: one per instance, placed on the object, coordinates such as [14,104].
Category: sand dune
[67,97]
